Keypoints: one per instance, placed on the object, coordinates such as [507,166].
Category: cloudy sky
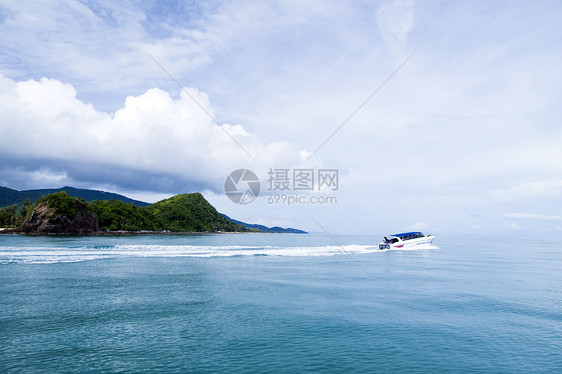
[462,134]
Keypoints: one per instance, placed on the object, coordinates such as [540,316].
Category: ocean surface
[269,303]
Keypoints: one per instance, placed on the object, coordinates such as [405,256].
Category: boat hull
[407,243]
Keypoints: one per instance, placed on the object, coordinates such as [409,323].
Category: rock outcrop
[44,221]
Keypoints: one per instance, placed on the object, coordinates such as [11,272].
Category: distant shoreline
[133,233]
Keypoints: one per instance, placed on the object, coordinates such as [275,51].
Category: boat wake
[32,255]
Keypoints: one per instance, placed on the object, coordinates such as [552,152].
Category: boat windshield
[391,240]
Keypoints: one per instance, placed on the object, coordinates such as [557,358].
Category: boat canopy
[408,234]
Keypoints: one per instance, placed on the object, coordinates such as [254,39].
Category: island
[59,213]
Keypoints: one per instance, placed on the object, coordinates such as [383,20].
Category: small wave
[415,247]
[88,253]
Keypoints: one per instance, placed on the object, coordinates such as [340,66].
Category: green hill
[59,213]
[186,212]
[114,212]
[114,215]
[190,212]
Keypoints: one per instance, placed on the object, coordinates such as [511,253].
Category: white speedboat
[405,239]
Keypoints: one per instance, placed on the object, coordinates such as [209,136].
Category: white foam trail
[53,255]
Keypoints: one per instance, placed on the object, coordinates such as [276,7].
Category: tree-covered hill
[185,212]
[116,215]
[60,213]
[190,212]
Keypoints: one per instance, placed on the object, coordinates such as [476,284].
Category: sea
[279,303]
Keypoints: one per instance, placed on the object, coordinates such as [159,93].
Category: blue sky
[465,137]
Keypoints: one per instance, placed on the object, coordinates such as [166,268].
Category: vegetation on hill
[181,213]
[12,216]
[9,197]
[116,215]
[58,214]
[9,216]
[63,204]
[190,212]
[187,212]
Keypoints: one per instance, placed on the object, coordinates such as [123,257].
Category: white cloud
[152,133]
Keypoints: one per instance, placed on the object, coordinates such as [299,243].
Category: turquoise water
[254,303]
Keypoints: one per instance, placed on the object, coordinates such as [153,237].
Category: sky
[438,116]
